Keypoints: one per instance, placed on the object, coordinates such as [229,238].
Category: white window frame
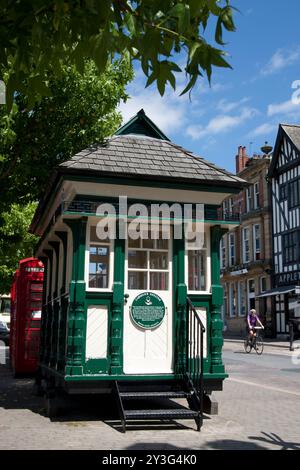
[249,241]
[110,244]
[223,250]
[240,314]
[232,314]
[255,251]
[248,199]
[250,295]
[208,266]
[230,236]
[261,282]
[256,195]
[225,303]
[148,270]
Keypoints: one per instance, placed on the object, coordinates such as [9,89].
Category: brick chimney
[241,159]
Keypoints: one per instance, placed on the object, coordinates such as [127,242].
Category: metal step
[141,395]
[176,413]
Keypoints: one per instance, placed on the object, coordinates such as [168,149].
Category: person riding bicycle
[252,321]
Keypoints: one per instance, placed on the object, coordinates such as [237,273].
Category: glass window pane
[94,237]
[137,259]
[149,243]
[159,281]
[134,243]
[158,260]
[99,267]
[137,280]
[197,270]
[162,244]
[148,238]
[251,285]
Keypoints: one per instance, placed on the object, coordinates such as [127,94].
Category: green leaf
[190,85]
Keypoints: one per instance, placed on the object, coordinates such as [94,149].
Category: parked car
[4,333]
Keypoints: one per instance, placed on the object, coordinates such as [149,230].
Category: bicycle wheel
[259,346]
[247,346]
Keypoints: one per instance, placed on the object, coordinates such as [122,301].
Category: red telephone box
[26,309]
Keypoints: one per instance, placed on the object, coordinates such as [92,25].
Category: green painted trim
[79,378]
[64,238]
[77,317]
[41,211]
[144,122]
[49,254]
[209,222]
[55,246]
[117,314]
[217,300]
[209,376]
[138,378]
[191,186]
[44,311]
[180,299]
[97,366]
[98,296]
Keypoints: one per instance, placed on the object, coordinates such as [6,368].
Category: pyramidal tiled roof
[143,157]
[293,131]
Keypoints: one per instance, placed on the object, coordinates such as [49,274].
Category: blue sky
[245,105]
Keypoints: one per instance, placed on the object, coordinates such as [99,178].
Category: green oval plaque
[147,310]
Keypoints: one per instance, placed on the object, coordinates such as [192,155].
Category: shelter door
[148,345]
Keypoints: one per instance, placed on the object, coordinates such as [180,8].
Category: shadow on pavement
[232,444]
[153,446]
[17,393]
[276,440]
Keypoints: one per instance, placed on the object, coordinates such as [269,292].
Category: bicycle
[254,342]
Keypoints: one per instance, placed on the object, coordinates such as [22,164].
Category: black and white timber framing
[284,177]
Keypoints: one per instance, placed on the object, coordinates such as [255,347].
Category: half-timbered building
[284,178]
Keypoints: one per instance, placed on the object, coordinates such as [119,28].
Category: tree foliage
[81,110]
[40,34]
[15,241]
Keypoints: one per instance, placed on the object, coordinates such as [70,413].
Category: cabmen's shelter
[136,315]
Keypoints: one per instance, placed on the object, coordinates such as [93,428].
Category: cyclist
[252,321]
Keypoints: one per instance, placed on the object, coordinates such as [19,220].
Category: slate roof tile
[141,155]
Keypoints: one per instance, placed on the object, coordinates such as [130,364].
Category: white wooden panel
[201,311]
[96,332]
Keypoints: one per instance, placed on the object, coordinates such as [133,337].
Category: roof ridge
[209,164]
[290,125]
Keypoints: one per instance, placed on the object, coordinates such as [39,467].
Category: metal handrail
[194,356]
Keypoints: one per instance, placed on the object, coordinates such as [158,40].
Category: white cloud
[281,58]
[221,124]
[167,112]
[287,108]
[227,106]
[264,129]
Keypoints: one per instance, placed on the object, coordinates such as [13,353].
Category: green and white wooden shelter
[116,311]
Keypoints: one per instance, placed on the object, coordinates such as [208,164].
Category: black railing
[194,356]
[91,206]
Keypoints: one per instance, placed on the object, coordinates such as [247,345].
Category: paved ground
[258,409]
